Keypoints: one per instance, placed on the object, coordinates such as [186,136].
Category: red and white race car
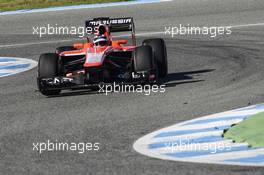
[103,60]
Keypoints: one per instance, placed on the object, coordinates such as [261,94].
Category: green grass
[249,131]
[7,5]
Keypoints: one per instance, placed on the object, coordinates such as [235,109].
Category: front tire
[144,62]
[48,68]
[143,59]
[160,53]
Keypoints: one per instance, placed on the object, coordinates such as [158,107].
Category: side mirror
[122,41]
[78,45]
[118,43]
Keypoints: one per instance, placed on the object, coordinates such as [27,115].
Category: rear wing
[115,24]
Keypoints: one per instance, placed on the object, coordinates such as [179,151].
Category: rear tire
[48,68]
[160,54]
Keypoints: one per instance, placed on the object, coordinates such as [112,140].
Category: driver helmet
[101,41]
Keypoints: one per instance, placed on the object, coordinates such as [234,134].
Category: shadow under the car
[174,79]
[75,93]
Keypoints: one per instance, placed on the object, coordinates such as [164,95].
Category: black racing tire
[47,68]
[143,59]
[160,54]
[64,48]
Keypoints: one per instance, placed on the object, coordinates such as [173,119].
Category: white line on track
[84,6]
[138,34]
[68,40]
[247,25]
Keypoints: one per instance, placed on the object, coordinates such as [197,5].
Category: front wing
[63,83]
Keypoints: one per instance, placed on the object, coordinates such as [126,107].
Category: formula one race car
[103,60]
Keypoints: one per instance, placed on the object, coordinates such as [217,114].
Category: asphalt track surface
[205,76]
